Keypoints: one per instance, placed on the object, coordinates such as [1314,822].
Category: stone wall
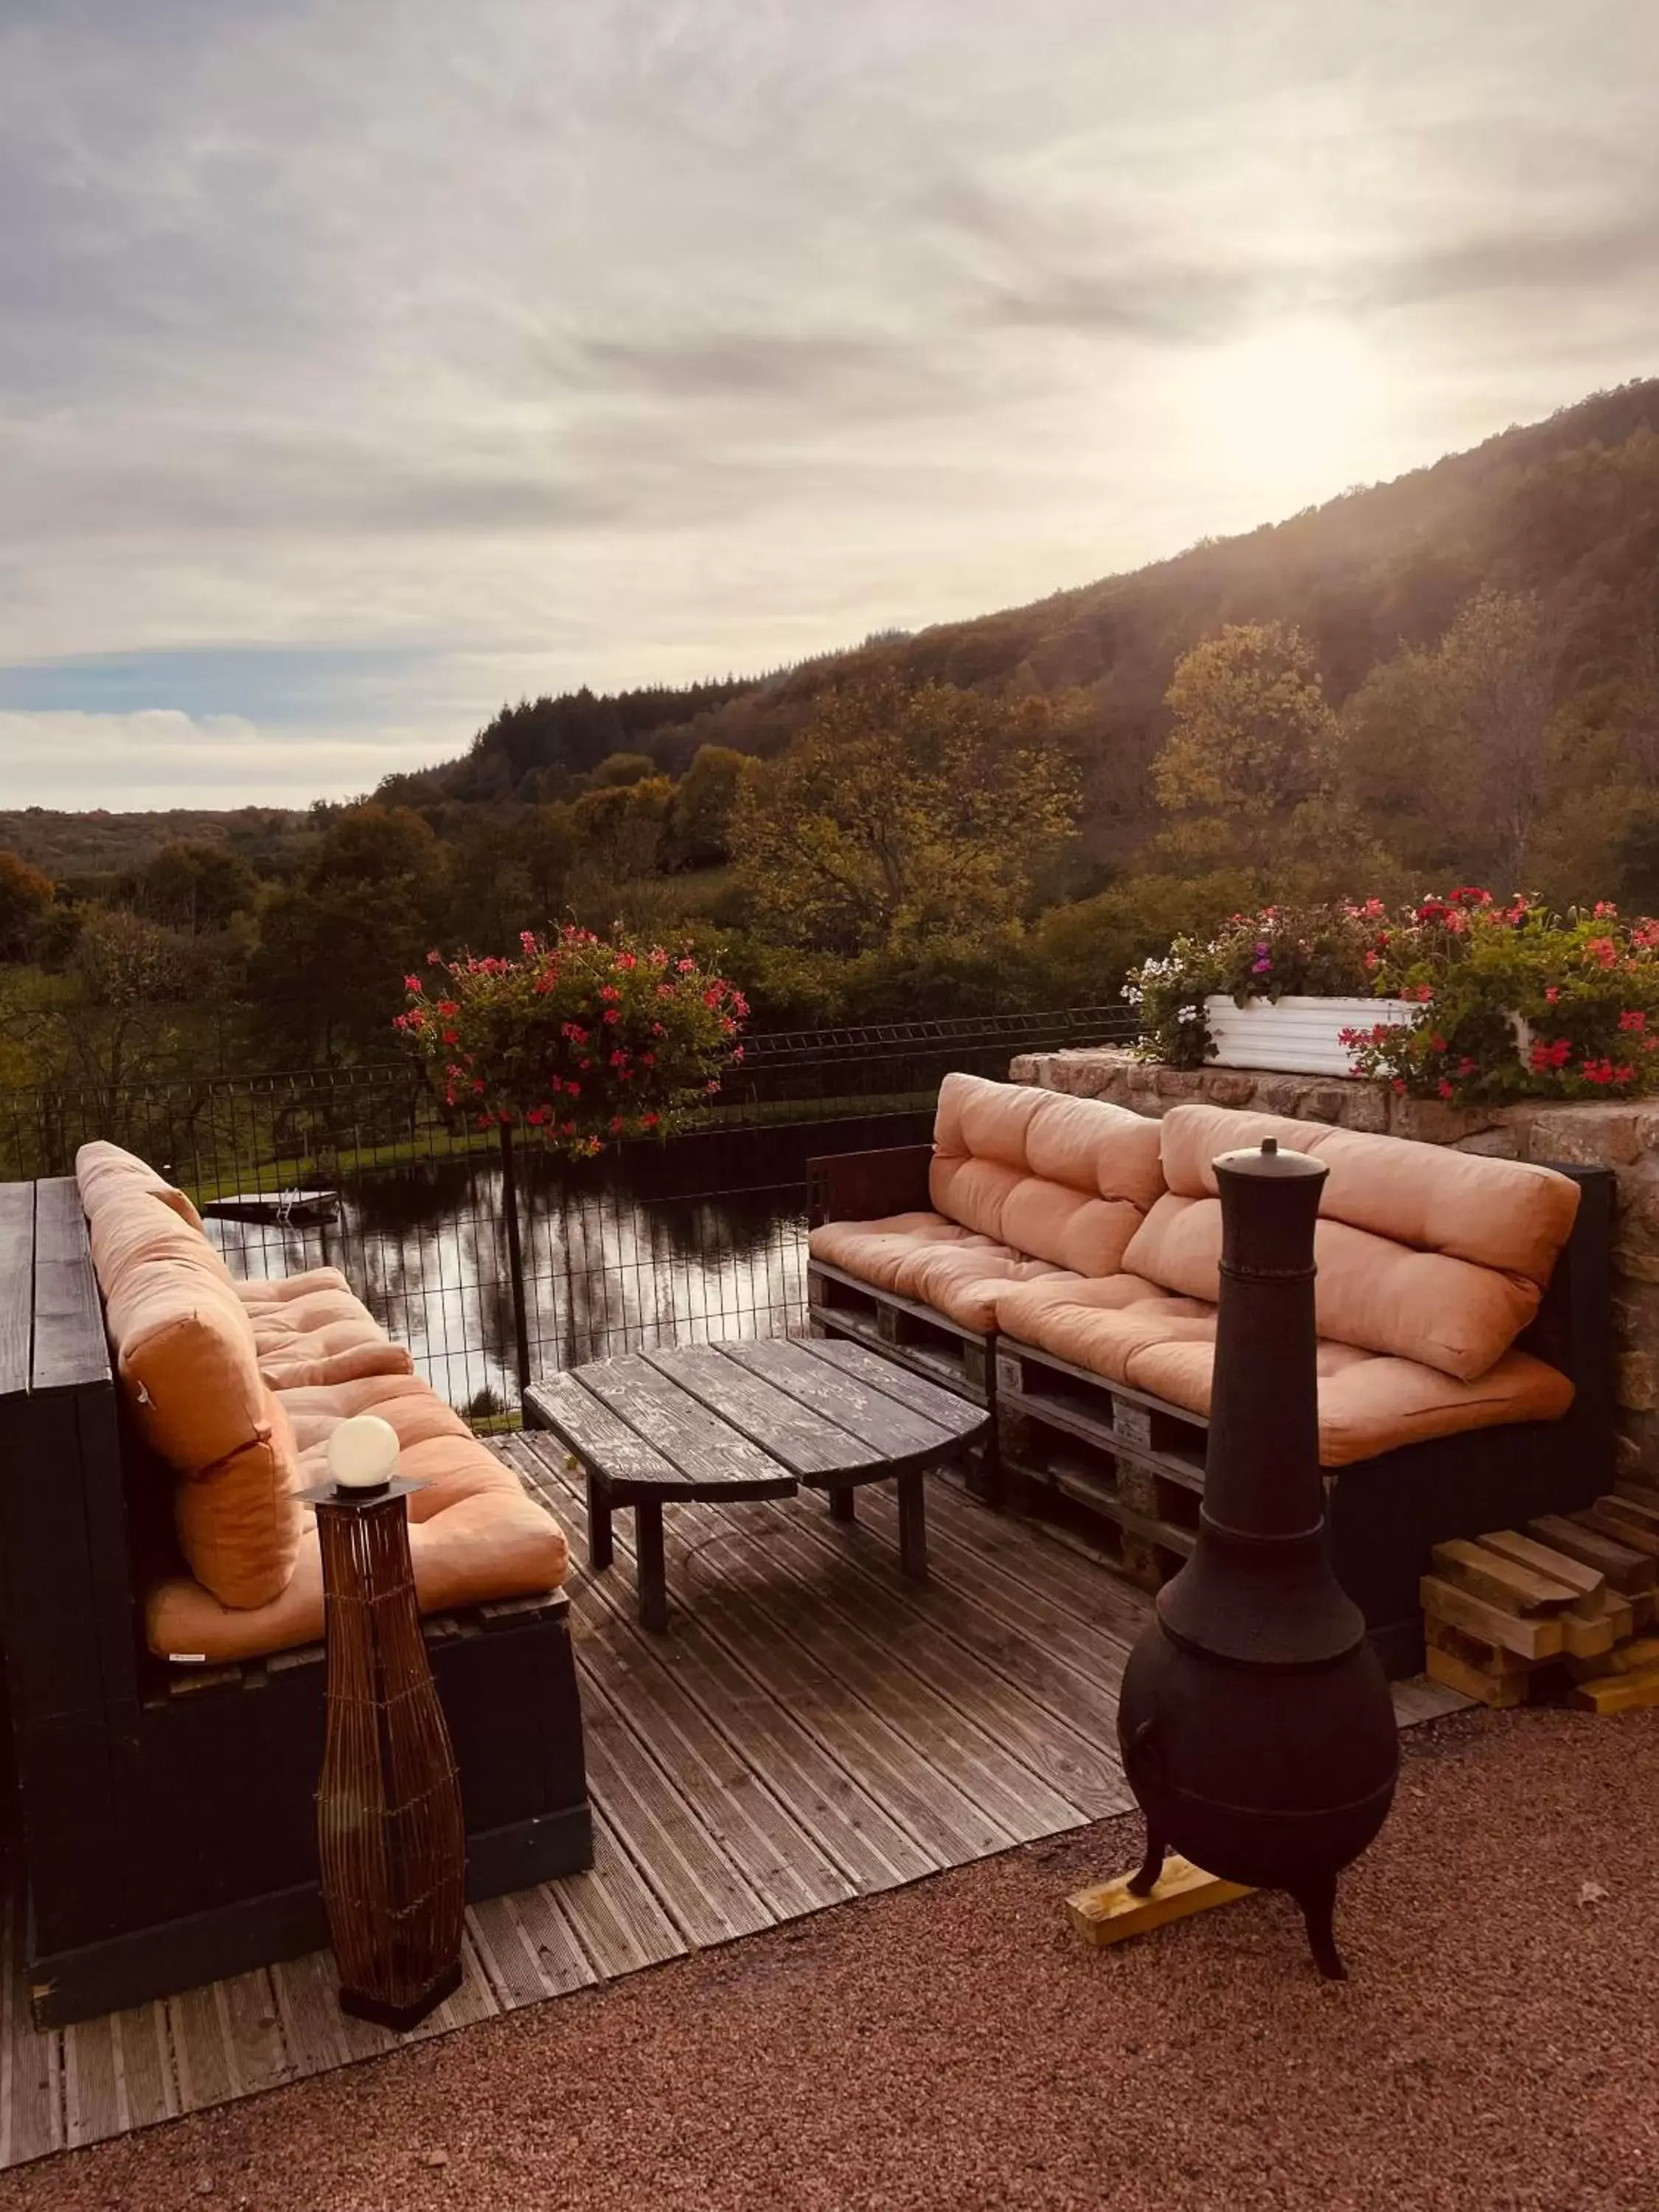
[1625,1138]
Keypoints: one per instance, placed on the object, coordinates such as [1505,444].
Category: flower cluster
[1526,1002]
[1320,950]
[583,1039]
[1515,1000]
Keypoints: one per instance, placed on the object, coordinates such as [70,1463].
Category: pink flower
[413,983]
[1632,1018]
[625,960]
[1445,1088]
[649,1120]
[685,967]
[613,1013]
[536,1116]
[1552,993]
[1605,910]
[451,1036]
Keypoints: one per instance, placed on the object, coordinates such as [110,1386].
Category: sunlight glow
[1292,413]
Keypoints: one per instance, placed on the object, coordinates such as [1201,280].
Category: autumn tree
[1251,740]
[900,817]
[699,825]
[192,887]
[25,896]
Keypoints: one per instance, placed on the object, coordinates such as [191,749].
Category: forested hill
[1567,508]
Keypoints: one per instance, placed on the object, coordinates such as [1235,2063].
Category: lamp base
[362,2005]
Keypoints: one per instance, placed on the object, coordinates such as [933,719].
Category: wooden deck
[813,1728]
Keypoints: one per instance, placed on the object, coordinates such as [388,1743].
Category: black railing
[702,1236]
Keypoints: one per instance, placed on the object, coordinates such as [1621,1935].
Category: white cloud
[636,342]
[159,757]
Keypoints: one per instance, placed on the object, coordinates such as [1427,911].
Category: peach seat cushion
[1151,1339]
[1026,1185]
[186,1359]
[313,1330]
[474,1535]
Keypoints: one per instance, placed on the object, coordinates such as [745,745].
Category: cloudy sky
[367,362]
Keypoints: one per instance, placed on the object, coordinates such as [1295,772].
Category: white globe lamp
[363,1452]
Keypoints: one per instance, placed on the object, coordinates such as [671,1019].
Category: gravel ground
[950,2045]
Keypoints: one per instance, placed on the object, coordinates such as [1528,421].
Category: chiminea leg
[1144,1883]
[1318,1902]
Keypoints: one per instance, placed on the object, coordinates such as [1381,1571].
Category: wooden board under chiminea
[1562,1612]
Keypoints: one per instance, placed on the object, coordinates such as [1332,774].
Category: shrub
[581,1038]
[1519,1002]
[1320,951]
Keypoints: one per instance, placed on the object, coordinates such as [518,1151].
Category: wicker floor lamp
[390,1830]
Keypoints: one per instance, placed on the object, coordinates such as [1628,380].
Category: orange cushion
[1506,1214]
[881,1252]
[101,1167]
[1370,1291]
[239,1522]
[485,1539]
[279,1290]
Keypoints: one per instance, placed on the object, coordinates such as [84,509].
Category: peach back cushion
[184,1352]
[1507,1214]
[1425,1254]
[1066,1179]
[101,1166]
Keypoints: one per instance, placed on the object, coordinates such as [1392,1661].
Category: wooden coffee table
[757,1417]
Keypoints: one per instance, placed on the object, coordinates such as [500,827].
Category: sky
[365,364]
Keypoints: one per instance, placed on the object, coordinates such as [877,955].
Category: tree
[195,888]
[25,896]
[898,817]
[1499,659]
[1251,739]
[700,816]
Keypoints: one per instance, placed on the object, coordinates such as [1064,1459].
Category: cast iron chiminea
[1256,1727]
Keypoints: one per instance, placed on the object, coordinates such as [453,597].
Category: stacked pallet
[1563,1610]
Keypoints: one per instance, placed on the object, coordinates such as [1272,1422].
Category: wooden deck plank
[860,1727]
[974,1608]
[777,1856]
[31,2118]
[312,2023]
[1086,1775]
[846,1824]
[702,1892]
[615,1914]
[93,2106]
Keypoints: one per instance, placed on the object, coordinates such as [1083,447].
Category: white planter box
[1300,1037]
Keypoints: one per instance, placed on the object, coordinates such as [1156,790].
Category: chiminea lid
[1270,1163]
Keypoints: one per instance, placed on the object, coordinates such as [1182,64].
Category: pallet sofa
[1055,1258]
[160,1595]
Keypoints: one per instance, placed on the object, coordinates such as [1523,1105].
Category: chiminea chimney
[1256,1727]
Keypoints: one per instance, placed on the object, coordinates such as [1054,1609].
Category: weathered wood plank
[728,1678]
[16,1284]
[777,1857]
[1089,1778]
[699,1444]
[588,1427]
[923,1397]
[30,2062]
[620,1925]
[70,1346]
[895,1430]
[804,1439]
[696,1884]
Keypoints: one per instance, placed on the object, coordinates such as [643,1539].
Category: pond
[638,1250]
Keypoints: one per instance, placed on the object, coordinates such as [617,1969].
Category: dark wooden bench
[166,1810]
[1127,1470]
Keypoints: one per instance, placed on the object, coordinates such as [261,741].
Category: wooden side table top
[755,1418]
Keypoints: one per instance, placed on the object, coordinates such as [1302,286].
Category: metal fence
[700,1237]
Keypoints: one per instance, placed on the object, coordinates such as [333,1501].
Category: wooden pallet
[917,1336]
[1128,1468]
[1561,1611]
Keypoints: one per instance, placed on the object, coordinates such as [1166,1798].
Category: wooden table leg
[599,1549]
[843,1503]
[913,1525]
[653,1581]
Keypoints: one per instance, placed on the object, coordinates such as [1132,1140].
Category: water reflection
[611,1263]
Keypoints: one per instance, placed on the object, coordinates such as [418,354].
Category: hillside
[97,843]
[1568,508]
